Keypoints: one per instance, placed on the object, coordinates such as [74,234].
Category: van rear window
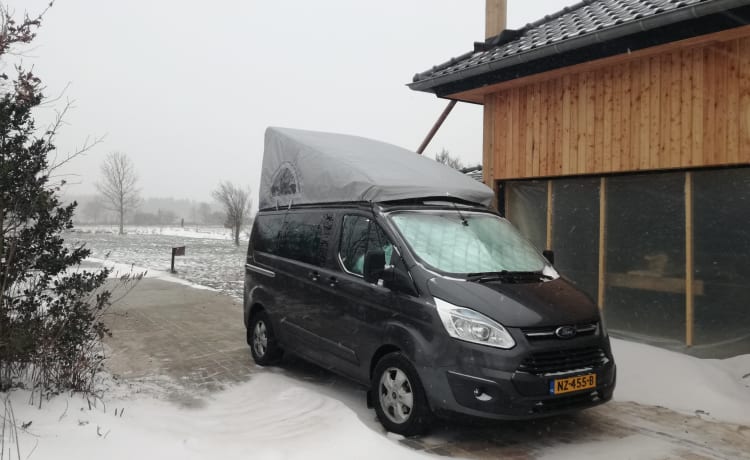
[267,232]
[301,236]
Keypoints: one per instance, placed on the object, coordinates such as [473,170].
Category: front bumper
[499,384]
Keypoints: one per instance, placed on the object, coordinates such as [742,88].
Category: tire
[395,384]
[263,343]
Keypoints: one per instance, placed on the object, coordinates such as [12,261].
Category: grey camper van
[390,269]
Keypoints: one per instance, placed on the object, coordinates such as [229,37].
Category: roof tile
[586,17]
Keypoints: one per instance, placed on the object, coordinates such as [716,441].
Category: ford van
[437,305]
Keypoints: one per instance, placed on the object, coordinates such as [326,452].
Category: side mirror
[374,266]
[396,279]
[549,254]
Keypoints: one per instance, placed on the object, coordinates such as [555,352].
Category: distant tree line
[119,201]
[151,211]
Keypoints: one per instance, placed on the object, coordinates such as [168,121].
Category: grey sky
[187,88]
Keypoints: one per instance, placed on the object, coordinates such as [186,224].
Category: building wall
[664,254]
[635,169]
[681,105]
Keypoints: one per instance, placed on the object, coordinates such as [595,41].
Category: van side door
[303,248]
[358,308]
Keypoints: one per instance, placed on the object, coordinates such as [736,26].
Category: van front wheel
[262,341]
[398,396]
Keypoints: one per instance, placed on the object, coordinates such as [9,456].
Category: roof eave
[602,36]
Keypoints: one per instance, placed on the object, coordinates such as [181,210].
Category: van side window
[360,234]
[266,233]
[300,237]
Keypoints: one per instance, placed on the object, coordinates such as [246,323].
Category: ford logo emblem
[565,332]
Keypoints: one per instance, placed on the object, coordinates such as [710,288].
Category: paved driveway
[195,338]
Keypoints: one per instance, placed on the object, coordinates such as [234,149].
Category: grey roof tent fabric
[304,167]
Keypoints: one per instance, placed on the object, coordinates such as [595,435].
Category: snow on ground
[274,416]
[189,231]
[208,261]
[712,388]
[119,270]
[270,417]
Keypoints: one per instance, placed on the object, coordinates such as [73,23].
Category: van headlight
[469,325]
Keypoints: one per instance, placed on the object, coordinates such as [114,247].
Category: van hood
[536,304]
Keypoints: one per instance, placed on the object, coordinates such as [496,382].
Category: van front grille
[548,333]
[560,361]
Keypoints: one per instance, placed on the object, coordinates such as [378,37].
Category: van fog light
[481,395]
[471,326]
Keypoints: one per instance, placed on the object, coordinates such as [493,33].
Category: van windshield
[461,242]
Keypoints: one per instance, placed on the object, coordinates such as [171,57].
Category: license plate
[569,384]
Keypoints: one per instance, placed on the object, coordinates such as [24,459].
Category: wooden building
[617,132]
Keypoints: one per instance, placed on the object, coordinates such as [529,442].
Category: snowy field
[278,416]
[211,258]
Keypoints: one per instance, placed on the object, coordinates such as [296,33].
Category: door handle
[313,275]
[333,281]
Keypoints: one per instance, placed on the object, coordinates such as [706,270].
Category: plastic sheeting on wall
[527,209]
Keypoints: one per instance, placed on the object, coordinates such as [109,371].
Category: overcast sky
[187,88]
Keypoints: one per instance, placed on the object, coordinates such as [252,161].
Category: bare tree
[236,202]
[119,185]
[447,159]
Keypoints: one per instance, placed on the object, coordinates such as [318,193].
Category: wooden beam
[436,126]
[488,142]
[549,214]
[689,261]
[602,242]
[655,282]
[506,197]
[495,17]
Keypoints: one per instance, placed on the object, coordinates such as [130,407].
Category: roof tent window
[285,181]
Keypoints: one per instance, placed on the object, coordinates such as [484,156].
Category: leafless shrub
[237,203]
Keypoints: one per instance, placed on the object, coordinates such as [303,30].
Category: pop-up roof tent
[303,167]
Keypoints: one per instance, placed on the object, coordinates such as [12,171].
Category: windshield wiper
[508,276]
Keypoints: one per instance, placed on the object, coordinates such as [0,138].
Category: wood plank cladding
[684,107]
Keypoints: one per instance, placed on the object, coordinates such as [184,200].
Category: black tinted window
[359,235]
[266,232]
[301,237]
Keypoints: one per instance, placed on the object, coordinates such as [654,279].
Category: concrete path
[196,339]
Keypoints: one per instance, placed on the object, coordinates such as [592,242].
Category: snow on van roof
[304,167]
